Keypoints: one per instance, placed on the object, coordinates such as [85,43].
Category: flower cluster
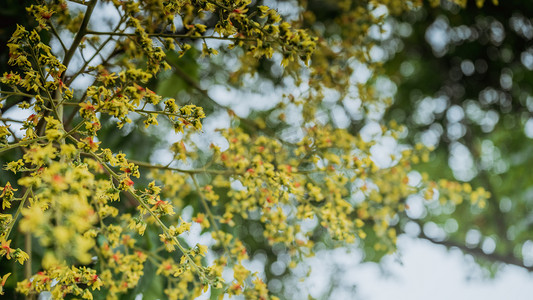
[102,227]
[62,281]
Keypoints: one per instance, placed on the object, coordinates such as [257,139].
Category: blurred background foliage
[463,79]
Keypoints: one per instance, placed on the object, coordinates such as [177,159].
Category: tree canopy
[463,87]
[161,147]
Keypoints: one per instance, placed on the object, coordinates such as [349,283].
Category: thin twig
[10,120]
[477,252]
[191,171]
[162,225]
[209,213]
[54,31]
[79,36]
[19,210]
[170,35]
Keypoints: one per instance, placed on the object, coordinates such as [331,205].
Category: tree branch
[478,252]
[79,36]
[171,35]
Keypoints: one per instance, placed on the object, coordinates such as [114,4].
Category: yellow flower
[3,282]
[202,249]
[5,249]
[20,256]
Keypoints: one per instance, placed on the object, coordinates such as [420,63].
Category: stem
[165,229]
[43,78]
[26,142]
[13,134]
[74,111]
[209,213]
[79,36]
[10,120]
[19,210]
[28,250]
[80,71]
[17,94]
[73,130]
[54,31]
[170,35]
[79,2]
[160,112]
[193,171]
[22,143]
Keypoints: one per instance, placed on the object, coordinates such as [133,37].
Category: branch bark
[509,259]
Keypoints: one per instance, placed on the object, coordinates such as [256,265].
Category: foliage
[474,107]
[91,214]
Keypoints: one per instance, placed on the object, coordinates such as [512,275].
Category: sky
[419,270]
[429,271]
